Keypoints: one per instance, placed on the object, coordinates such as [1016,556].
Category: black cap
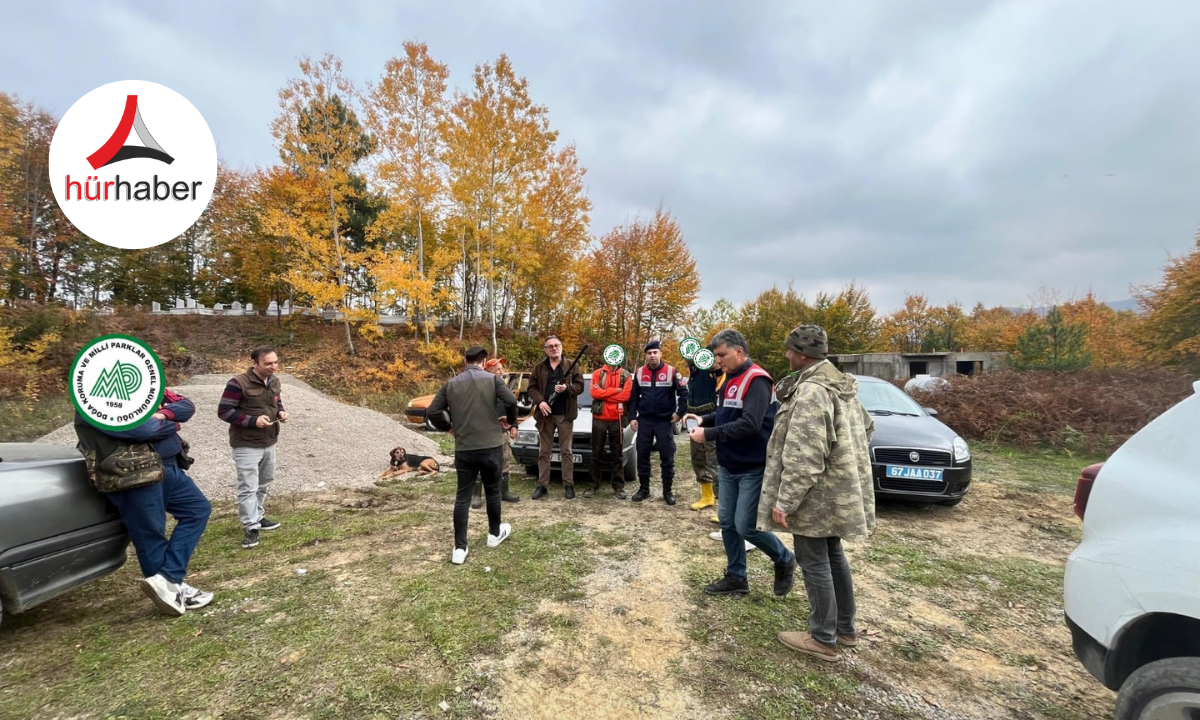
[475,353]
[652,345]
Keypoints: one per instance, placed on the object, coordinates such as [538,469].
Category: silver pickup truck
[56,531]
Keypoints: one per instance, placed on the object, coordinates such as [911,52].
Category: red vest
[666,376]
[734,390]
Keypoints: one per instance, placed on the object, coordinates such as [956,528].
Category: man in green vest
[253,408]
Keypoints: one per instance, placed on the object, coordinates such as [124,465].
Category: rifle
[567,375]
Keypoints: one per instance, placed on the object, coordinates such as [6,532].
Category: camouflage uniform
[819,475]
[818,462]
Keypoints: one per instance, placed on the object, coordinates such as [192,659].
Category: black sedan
[914,456]
[56,531]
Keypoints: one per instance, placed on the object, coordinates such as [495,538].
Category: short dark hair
[477,356]
[260,351]
[730,337]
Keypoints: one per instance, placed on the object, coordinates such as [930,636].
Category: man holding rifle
[554,389]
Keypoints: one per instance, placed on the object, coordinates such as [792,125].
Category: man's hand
[262,421]
[633,425]
[159,416]
[544,409]
[512,432]
[560,388]
[779,517]
[697,435]
[283,416]
[674,417]
[504,423]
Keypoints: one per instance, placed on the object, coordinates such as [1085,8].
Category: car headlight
[961,451]
[527,437]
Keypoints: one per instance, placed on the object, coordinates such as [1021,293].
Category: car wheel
[429,424]
[951,502]
[531,470]
[1164,689]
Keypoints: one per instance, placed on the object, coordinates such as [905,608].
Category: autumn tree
[1111,335]
[1052,344]
[406,112]
[766,321]
[905,330]
[320,141]
[639,281]
[848,318]
[496,139]
[1170,331]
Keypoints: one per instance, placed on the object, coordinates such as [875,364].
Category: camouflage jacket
[818,463]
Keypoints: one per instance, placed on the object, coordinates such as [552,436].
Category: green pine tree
[1052,344]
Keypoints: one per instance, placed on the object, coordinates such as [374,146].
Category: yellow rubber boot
[706,497]
[715,519]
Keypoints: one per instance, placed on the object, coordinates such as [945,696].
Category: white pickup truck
[1132,587]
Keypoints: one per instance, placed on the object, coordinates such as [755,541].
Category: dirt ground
[974,657]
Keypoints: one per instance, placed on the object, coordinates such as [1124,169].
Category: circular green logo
[689,347]
[116,382]
[704,359]
[614,355]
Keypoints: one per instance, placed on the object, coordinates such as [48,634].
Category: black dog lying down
[401,462]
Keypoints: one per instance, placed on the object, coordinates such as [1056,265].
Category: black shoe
[570,492]
[266,524]
[728,585]
[250,539]
[641,494]
[540,492]
[477,496]
[669,497]
[785,577]
[505,495]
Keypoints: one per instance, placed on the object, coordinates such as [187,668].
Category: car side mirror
[931,411]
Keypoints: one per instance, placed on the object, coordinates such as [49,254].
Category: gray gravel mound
[325,444]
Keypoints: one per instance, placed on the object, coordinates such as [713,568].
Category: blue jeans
[737,509]
[144,512]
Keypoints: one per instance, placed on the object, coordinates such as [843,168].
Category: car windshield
[886,399]
[585,399]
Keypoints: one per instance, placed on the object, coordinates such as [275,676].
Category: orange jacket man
[611,387]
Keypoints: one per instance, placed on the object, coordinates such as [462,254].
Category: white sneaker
[459,556]
[166,595]
[717,536]
[505,531]
[194,598]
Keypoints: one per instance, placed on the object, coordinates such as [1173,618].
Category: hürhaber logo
[133,164]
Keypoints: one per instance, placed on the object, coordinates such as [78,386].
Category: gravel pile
[325,443]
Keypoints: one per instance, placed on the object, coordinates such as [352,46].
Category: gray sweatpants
[255,473]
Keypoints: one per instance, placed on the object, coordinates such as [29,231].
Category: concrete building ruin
[902,366]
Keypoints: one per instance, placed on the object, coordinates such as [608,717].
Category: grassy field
[593,608]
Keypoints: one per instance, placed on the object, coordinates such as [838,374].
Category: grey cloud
[970,151]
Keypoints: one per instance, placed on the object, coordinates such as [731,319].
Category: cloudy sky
[972,151]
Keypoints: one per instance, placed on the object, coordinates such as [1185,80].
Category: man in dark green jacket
[467,405]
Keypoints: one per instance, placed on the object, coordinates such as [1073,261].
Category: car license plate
[575,458]
[914,473]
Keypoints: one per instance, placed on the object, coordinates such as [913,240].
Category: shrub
[1089,411]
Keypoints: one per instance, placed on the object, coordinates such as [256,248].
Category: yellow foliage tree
[320,141]
[405,112]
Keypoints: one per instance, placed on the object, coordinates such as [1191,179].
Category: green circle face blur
[614,355]
[689,347]
[704,359]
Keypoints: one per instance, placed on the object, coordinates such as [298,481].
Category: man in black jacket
[741,426]
[657,402]
[469,399]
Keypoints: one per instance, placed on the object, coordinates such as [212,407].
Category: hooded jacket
[818,458]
